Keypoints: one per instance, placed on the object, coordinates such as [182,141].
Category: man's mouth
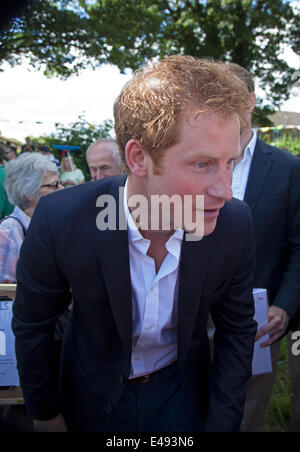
[212,213]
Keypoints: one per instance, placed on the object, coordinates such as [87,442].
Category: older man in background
[103,159]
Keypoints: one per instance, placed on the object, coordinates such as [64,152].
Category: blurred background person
[28,146]
[5,207]
[46,151]
[28,178]
[103,159]
[69,173]
[10,153]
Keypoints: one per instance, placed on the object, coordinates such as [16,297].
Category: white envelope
[8,363]
[262,362]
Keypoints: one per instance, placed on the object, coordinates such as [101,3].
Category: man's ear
[253,102]
[136,158]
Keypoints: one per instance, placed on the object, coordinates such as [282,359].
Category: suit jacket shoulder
[277,153]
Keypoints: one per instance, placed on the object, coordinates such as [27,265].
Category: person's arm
[42,294]
[81,178]
[68,182]
[233,344]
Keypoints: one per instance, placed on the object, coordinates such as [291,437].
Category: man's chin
[209,226]
[203,230]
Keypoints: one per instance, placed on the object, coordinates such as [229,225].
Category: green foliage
[278,415]
[286,142]
[79,133]
[260,117]
[65,36]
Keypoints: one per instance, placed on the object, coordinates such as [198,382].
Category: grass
[278,414]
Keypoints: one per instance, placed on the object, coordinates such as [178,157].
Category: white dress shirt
[154,301]
[241,171]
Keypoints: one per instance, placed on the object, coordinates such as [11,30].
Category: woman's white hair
[24,177]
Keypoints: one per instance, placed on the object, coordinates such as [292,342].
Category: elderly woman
[29,177]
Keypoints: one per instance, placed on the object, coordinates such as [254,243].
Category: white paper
[262,362]
[8,363]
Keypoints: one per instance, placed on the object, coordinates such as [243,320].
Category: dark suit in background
[273,194]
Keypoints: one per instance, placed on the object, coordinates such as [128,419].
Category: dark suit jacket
[273,194]
[63,249]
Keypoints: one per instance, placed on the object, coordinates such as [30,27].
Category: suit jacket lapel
[194,261]
[113,253]
[261,164]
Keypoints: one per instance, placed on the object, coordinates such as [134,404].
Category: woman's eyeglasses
[53,185]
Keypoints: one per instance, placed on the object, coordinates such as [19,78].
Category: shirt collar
[132,229]
[251,145]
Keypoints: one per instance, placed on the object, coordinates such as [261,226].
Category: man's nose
[99,174]
[221,187]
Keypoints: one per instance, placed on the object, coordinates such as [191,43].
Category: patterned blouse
[11,238]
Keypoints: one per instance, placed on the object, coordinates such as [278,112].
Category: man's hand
[278,321]
[53,425]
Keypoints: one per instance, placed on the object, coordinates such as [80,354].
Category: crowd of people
[24,179]
[102,158]
[136,355]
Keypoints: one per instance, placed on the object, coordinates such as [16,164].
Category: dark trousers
[162,404]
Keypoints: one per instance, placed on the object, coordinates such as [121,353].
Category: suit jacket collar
[260,167]
[193,267]
[113,254]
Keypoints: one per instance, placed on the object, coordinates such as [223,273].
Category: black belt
[141,379]
[146,378]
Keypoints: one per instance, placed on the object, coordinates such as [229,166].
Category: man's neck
[246,137]
[157,249]
[158,238]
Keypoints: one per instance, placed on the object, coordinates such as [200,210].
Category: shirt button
[137,358]
[149,327]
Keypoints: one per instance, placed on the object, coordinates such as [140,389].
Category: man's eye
[231,161]
[202,164]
